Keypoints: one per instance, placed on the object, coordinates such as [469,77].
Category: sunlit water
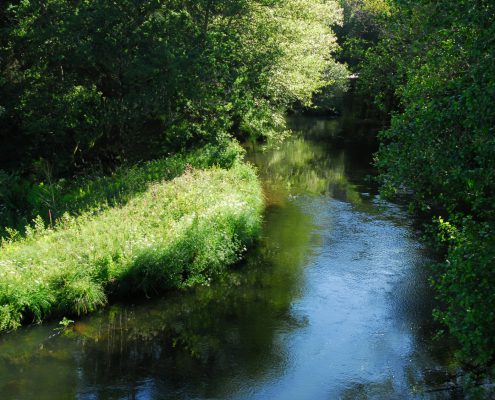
[333,304]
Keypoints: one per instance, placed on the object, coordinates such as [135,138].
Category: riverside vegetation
[119,168]
[175,234]
[430,67]
[100,99]
[89,86]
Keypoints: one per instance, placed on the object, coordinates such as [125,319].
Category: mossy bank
[174,234]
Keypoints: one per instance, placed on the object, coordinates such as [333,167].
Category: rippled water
[333,304]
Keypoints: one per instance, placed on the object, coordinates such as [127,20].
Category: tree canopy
[88,85]
[96,81]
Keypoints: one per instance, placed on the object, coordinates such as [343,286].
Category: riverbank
[171,234]
[332,302]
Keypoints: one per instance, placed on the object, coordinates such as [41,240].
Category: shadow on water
[333,303]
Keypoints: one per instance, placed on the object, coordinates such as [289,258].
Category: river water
[332,304]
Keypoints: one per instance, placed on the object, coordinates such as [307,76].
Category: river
[332,304]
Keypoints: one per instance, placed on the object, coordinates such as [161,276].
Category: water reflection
[205,342]
[332,304]
[300,166]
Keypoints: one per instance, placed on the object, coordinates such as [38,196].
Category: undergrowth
[171,234]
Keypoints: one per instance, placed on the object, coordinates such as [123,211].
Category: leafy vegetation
[174,234]
[364,22]
[104,103]
[87,87]
[90,85]
[433,70]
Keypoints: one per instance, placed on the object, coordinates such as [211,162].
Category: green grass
[125,183]
[23,201]
[172,234]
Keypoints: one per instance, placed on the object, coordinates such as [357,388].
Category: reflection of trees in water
[433,385]
[372,390]
[299,166]
[191,342]
[35,364]
[320,129]
[350,127]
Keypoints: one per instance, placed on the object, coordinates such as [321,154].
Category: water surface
[332,304]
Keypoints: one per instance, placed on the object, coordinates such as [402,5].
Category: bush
[465,285]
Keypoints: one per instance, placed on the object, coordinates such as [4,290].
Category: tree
[437,59]
[90,85]
[95,81]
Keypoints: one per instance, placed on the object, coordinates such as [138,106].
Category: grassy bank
[21,201]
[172,234]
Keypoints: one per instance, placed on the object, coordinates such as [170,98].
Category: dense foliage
[434,70]
[89,85]
[364,22]
[174,234]
[88,82]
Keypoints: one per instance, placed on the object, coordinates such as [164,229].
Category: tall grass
[21,201]
[171,235]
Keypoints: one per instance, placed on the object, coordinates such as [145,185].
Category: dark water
[333,304]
